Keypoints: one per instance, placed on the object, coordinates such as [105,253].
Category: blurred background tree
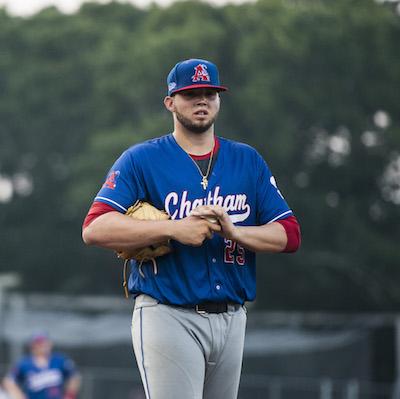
[313,86]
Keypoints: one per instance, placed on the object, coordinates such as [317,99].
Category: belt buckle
[200,311]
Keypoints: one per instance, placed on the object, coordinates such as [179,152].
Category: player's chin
[199,130]
[203,123]
[200,127]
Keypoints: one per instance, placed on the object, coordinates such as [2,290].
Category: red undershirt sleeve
[293,233]
[97,209]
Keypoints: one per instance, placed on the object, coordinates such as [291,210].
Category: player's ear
[169,103]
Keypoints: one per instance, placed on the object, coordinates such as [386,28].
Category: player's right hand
[220,216]
[193,230]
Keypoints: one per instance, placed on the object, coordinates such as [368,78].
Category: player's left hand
[217,214]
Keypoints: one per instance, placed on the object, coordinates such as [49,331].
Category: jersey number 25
[234,253]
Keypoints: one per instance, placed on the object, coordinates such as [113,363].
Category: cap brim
[200,86]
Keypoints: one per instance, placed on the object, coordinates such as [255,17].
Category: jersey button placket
[214,274]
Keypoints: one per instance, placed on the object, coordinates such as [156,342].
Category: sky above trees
[26,8]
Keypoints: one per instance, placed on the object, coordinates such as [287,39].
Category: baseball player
[43,374]
[189,318]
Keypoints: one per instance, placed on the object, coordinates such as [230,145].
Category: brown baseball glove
[142,210]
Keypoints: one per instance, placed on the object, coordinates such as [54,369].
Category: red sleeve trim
[97,209]
[293,233]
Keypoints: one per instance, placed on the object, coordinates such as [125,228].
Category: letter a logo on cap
[193,74]
[200,73]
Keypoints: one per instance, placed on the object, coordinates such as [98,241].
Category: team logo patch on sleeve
[273,182]
[111,181]
[200,73]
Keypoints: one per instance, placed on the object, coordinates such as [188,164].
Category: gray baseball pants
[182,354]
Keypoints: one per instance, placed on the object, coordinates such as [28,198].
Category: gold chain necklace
[204,180]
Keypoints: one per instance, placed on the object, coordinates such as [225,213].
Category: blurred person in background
[43,374]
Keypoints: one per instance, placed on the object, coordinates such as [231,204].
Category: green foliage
[313,86]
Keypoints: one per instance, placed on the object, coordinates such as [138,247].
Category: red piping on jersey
[293,233]
[208,155]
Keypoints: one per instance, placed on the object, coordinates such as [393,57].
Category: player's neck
[195,143]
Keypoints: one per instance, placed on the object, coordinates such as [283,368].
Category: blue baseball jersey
[161,172]
[43,382]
